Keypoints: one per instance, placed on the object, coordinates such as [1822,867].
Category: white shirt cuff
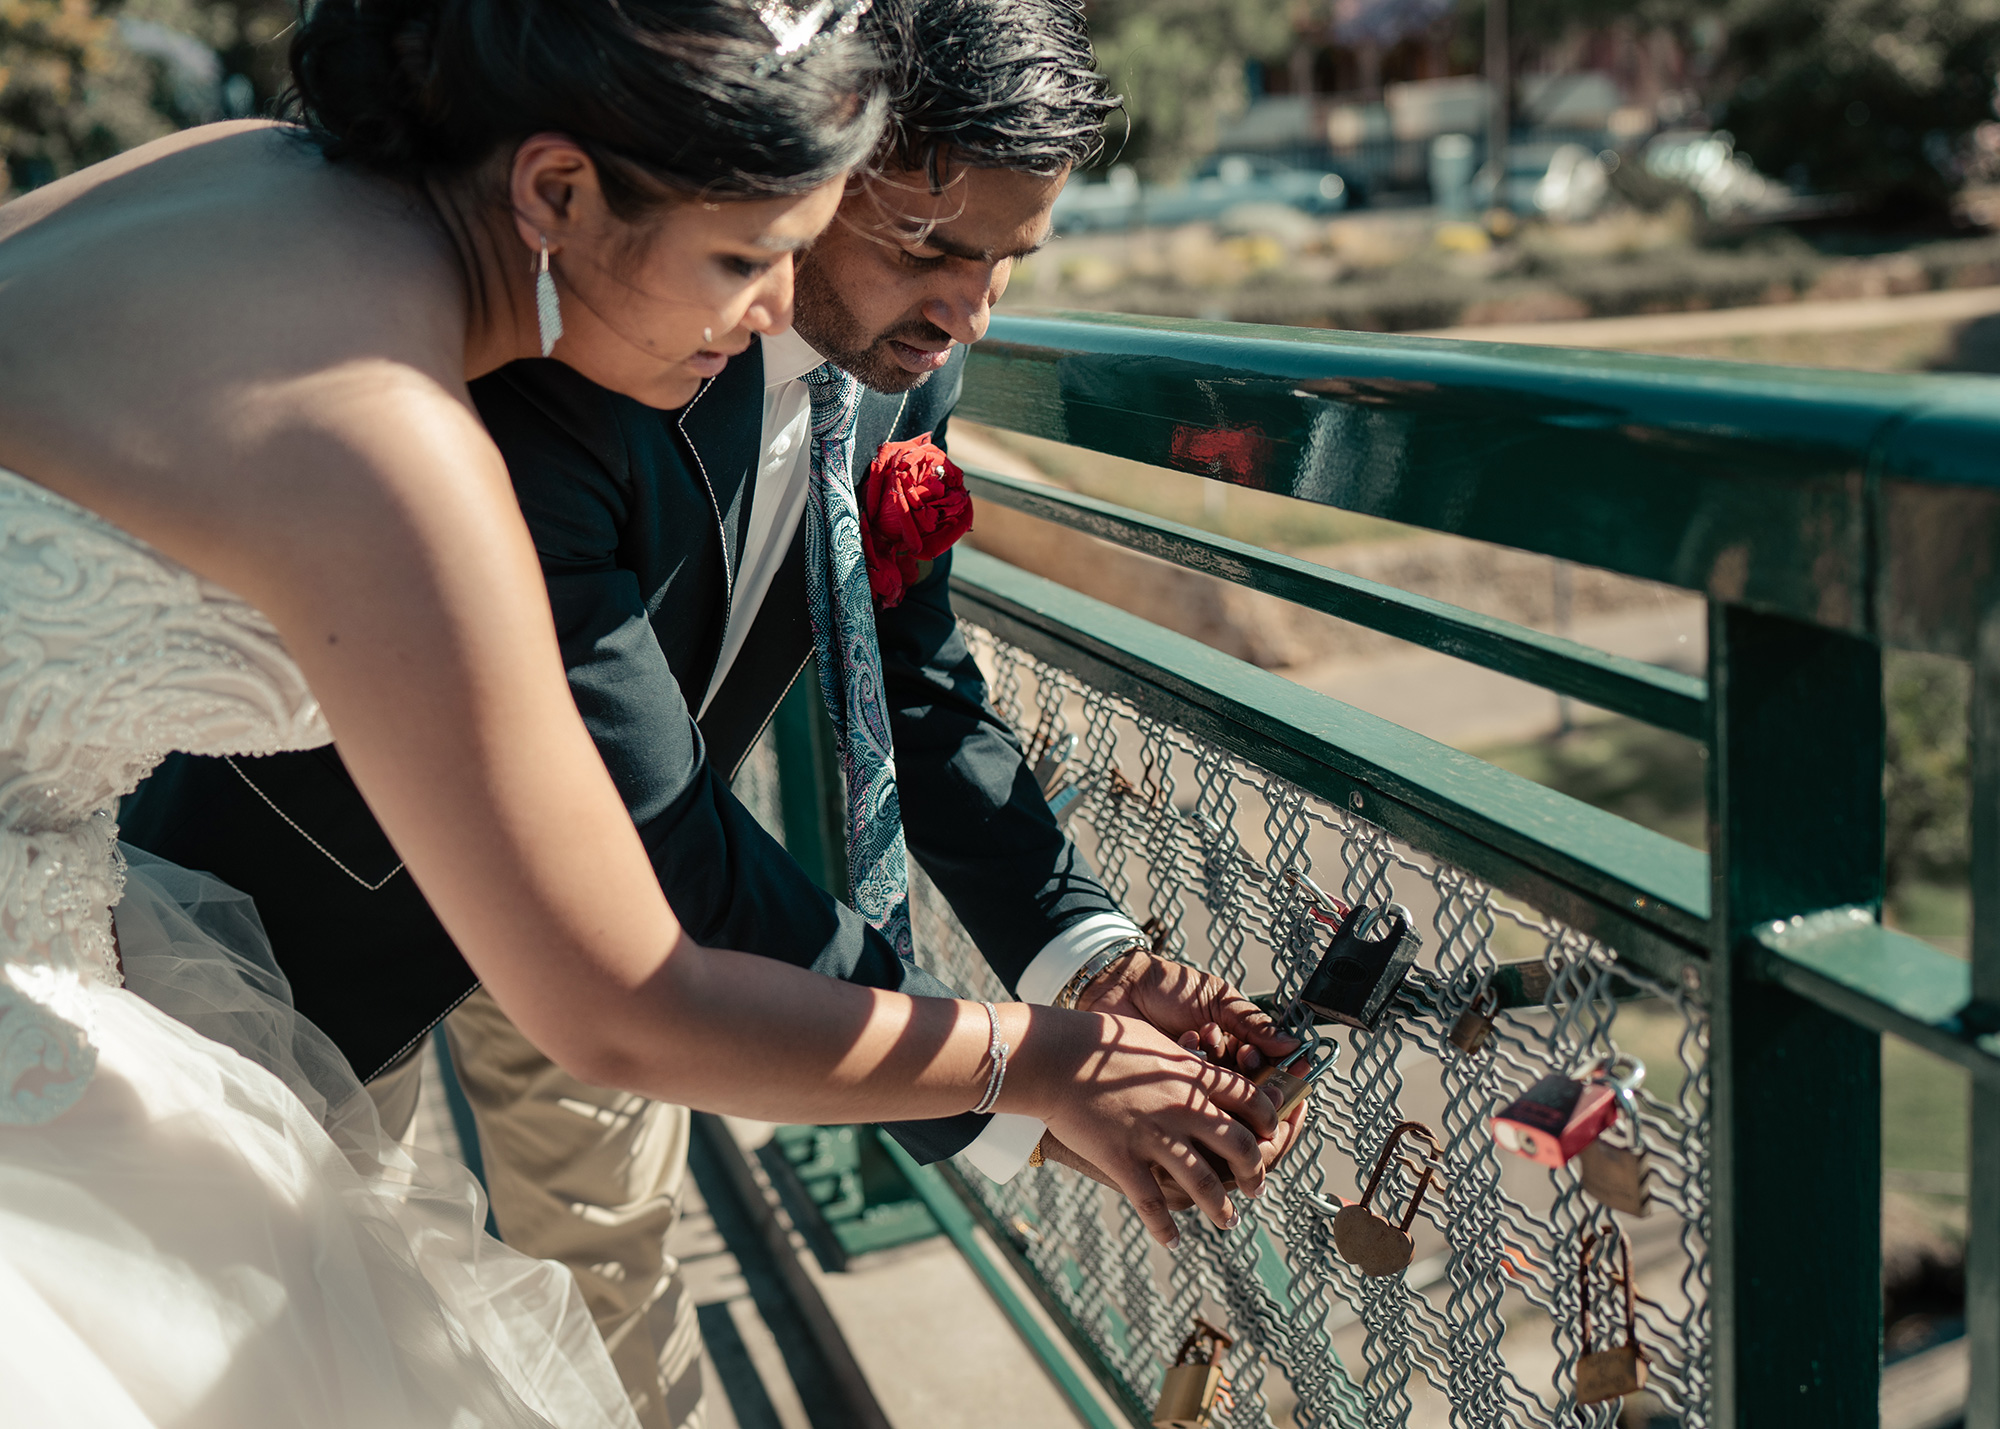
[1069,950]
[1002,1149]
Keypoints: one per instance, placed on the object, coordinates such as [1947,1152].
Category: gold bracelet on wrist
[1094,968]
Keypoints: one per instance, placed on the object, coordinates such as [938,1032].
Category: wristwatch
[1095,964]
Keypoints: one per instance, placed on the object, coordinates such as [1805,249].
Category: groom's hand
[1186,1002]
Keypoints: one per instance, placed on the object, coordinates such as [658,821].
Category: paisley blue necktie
[850,662]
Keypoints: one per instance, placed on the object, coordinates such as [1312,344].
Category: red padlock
[1556,1118]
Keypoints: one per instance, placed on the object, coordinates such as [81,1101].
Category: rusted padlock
[1616,1175]
[1365,1240]
[1617,1372]
[1555,1118]
[1286,1082]
[1363,965]
[1193,1380]
[1475,1024]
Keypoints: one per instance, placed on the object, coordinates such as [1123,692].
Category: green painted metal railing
[1824,516]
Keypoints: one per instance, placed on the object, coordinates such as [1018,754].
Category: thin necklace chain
[374,887]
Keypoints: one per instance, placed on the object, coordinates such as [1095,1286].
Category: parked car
[1565,182]
[1226,182]
[1706,160]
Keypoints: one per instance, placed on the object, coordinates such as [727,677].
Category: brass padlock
[1615,1176]
[1616,1372]
[1194,1380]
[1475,1024]
[1367,1242]
[1287,1084]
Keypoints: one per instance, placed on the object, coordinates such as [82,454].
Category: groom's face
[905,272]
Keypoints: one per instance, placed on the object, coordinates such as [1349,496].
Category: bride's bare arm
[402,576]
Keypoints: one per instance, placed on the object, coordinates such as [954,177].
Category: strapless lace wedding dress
[201,1224]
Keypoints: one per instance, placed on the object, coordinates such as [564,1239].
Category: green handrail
[1824,514]
[1657,696]
[1862,502]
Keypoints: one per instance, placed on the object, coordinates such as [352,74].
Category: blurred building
[1369,84]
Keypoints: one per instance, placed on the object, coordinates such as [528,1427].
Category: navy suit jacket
[638,516]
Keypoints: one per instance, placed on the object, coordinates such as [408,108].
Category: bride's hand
[1270,1152]
[1131,1102]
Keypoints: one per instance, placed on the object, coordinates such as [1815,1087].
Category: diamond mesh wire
[1485,1327]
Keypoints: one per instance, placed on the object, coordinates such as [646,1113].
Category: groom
[675,547]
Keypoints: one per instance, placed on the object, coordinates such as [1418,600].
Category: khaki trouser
[585,1176]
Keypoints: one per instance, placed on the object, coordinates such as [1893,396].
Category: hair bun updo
[674,95]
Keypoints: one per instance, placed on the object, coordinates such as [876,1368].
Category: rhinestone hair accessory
[799,30]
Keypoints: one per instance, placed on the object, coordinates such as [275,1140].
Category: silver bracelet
[998,1051]
[1095,964]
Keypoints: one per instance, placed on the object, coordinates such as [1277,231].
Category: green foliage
[1657,779]
[74,91]
[1863,97]
[70,94]
[1180,66]
[1928,779]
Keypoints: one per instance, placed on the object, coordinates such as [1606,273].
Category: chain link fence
[1234,869]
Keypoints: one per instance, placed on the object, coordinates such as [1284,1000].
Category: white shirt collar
[787,357]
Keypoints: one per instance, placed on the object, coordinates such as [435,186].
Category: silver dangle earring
[548,308]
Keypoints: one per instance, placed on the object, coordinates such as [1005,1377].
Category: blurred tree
[1180,66]
[81,80]
[1927,775]
[1865,97]
[70,92]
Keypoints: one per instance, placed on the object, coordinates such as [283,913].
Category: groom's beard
[823,319]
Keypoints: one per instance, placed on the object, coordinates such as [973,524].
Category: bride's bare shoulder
[197,144]
[173,320]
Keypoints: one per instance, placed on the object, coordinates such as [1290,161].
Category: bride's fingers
[1241,1098]
[1136,1179]
[1231,1151]
[1197,1178]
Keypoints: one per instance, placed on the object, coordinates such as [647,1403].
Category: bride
[245,505]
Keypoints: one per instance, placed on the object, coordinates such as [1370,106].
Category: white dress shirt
[778,502]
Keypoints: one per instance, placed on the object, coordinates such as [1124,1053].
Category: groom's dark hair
[992,84]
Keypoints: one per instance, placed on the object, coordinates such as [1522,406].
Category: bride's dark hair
[670,98]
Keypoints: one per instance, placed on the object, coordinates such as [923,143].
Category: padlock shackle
[1624,1087]
[1203,1331]
[1367,918]
[1311,1041]
[1313,891]
[1402,1129]
[1624,1277]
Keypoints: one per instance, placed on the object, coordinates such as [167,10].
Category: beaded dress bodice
[111,656]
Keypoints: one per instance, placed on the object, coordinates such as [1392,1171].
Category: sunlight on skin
[903,273]
[654,319]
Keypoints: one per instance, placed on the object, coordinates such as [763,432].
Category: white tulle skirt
[217,1236]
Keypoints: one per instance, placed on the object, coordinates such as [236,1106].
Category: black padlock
[1363,966]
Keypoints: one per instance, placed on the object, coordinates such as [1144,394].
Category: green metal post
[1795,824]
[1982,1248]
[462,1120]
[809,788]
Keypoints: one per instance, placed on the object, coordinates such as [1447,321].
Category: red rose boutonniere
[914,506]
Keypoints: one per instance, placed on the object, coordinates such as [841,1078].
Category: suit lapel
[724,426]
[780,640]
